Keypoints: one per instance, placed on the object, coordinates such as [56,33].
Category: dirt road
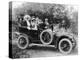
[35,51]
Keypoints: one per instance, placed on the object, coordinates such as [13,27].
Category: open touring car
[49,35]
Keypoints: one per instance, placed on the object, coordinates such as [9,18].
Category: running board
[41,45]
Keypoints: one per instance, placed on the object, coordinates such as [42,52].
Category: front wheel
[23,42]
[65,46]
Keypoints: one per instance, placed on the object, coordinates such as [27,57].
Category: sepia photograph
[42,29]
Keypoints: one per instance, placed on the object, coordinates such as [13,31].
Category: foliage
[55,13]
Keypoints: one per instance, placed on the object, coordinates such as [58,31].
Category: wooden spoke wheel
[46,36]
[23,42]
[65,46]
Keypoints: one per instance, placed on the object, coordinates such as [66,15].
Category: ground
[36,52]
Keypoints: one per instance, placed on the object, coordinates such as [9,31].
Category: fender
[62,33]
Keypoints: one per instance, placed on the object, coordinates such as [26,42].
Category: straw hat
[46,19]
[27,17]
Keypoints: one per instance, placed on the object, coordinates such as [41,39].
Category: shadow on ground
[35,52]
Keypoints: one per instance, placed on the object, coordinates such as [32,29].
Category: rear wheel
[65,46]
[23,42]
[46,37]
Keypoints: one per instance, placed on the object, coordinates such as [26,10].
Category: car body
[48,37]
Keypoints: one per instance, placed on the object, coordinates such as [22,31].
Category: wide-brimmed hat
[46,19]
[27,17]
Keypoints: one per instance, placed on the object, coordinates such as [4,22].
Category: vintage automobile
[52,36]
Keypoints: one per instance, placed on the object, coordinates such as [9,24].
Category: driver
[46,23]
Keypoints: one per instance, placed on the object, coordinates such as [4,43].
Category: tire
[65,46]
[45,34]
[23,42]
